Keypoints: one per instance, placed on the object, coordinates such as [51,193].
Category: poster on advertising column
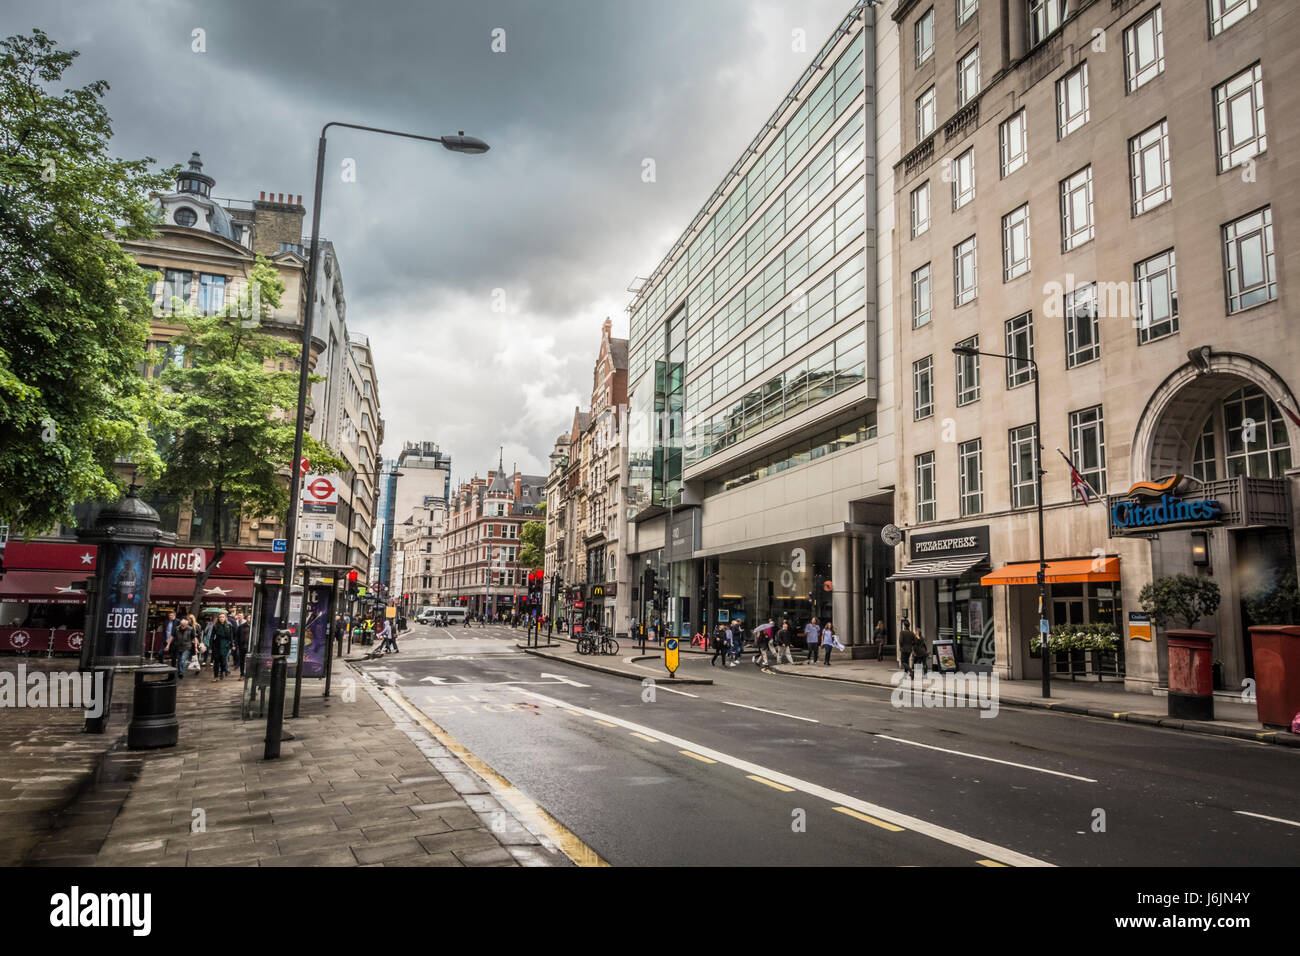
[125,582]
[319,611]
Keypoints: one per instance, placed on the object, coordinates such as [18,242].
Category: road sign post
[671,655]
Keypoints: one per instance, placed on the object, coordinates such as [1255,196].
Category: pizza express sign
[949,544]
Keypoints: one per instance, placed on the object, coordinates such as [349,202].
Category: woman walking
[829,640]
[879,639]
[222,636]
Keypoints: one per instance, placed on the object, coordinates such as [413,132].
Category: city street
[726,774]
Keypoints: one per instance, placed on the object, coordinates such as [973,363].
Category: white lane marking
[1008,763]
[563,680]
[778,713]
[671,691]
[1247,813]
[943,834]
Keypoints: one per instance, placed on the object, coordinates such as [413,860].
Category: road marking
[653,740]
[1260,816]
[573,712]
[563,680]
[771,783]
[732,703]
[700,758]
[892,828]
[989,863]
[1118,715]
[671,691]
[1008,763]
[552,832]
[605,722]
[979,847]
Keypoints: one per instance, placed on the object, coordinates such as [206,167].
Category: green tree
[74,305]
[533,538]
[1277,602]
[227,413]
[1182,596]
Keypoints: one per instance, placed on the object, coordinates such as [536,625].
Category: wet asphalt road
[838,775]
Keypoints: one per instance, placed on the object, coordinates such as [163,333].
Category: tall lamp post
[460,143]
[970,351]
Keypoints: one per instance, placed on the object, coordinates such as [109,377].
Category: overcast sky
[556,215]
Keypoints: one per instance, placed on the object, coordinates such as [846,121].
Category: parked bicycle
[596,643]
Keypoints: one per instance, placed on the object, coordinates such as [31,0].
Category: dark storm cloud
[556,215]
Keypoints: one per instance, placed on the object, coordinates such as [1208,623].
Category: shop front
[942,597]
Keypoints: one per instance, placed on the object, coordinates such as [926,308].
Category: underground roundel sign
[320,495]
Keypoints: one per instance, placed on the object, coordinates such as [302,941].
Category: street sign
[321,495]
[279,545]
[304,466]
[671,656]
[316,529]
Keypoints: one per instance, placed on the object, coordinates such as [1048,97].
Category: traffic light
[352,584]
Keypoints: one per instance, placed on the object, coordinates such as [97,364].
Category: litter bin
[1277,673]
[153,713]
[1191,674]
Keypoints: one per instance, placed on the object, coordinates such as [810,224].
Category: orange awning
[1058,572]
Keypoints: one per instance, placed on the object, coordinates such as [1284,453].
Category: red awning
[46,587]
[216,591]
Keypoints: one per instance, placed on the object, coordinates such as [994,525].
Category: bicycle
[597,643]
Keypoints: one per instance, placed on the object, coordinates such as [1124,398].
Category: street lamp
[459,143]
[970,350]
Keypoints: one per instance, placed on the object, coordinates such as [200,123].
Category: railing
[920,156]
[962,120]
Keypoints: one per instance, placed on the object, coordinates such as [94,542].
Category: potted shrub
[1277,602]
[1185,599]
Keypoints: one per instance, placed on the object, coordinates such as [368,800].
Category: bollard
[275,707]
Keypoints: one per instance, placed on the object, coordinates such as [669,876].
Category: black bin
[153,714]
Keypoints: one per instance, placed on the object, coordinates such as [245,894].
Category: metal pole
[1042,553]
[304,359]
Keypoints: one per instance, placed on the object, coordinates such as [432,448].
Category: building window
[965,10]
[1082,333]
[925,36]
[1144,50]
[1076,209]
[1088,447]
[1020,345]
[1226,13]
[1156,294]
[1015,243]
[963,179]
[1045,18]
[1248,259]
[927,116]
[921,296]
[185,216]
[1149,168]
[1072,101]
[176,285]
[1255,439]
[212,293]
[923,388]
[1023,447]
[1205,465]
[1239,117]
[925,491]
[970,461]
[965,272]
[920,209]
[968,77]
[1013,140]
[968,373]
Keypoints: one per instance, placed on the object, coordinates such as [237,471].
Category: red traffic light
[352,575]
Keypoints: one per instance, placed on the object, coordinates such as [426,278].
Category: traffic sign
[304,466]
[321,495]
[279,545]
[671,656]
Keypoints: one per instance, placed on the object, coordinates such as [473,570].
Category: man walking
[243,632]
[389,637]
[812,635]
[906,644]
[783,641]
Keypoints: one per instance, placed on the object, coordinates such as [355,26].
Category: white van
[452,615]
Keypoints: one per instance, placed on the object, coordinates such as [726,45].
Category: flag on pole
[1077,482]
[1289,414]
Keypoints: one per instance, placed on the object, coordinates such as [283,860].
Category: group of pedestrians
[189,647]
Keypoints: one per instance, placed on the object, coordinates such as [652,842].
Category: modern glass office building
[759,476]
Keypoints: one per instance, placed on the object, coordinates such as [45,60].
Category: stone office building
[761,452]
[1098,193]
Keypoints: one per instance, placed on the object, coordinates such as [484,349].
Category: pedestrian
[733,644]
[783,641]
[764,636]
[830,640]
[879,640]
[205,642]
[920,654]
[389,637]
[168,626]
[178,645]
[812,635]
[243,633]
[906,643]
[719,645]
[222,636]
[340,628]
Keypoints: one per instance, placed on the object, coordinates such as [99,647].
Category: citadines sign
[1166,513]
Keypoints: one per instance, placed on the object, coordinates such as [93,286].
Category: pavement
[1107,700]
[365,782]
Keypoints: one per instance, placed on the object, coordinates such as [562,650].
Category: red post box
[1191,674]
[1276,651]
